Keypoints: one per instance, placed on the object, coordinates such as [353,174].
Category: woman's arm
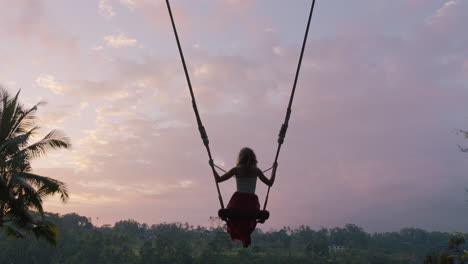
[225,176]
[264,179]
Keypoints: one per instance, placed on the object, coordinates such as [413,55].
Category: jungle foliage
[131,242]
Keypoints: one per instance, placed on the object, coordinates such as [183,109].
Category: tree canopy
[132,242]
[21,191]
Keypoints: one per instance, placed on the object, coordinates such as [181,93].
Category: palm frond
[25,119]
[55,139]
[16,163]
[14,118]
[47,231]
[8,110]
[35,201]
[32,198]
[14,144]
[18,182]
[18,213]
[47,186]
[62,190]
[11,231]
[15,110]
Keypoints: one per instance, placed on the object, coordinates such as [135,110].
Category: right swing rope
[284,127]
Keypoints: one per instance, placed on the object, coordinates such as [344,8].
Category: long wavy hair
[246,158]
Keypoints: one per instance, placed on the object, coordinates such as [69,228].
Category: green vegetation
[455,250]
[452,253]
[21,191]
[131,242]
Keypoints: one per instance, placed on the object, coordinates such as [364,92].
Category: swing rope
[201,128]
[284,127]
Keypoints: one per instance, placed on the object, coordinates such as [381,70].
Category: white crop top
[247,184]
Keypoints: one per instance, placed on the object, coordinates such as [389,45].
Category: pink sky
[371,140]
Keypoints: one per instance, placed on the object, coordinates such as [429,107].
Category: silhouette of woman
[244,199]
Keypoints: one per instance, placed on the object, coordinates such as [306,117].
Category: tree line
[131,242]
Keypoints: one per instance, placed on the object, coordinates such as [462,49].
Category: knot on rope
[284,127]
[204,136]
[282,133]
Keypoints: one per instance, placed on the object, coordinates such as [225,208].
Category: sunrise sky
[383,87]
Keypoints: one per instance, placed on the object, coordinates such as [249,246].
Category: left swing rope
[201,128]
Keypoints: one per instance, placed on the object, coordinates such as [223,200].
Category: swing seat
[261,215]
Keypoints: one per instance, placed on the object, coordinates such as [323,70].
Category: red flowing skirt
[240,229]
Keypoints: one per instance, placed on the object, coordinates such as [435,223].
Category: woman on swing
[245,199]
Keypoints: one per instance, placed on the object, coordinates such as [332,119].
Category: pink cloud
[156,14]
[27,21]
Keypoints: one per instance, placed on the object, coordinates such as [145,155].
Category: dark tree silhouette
[21,191]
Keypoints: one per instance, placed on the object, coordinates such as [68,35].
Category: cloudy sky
[383,86]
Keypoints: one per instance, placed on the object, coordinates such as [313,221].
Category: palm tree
[21,191]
